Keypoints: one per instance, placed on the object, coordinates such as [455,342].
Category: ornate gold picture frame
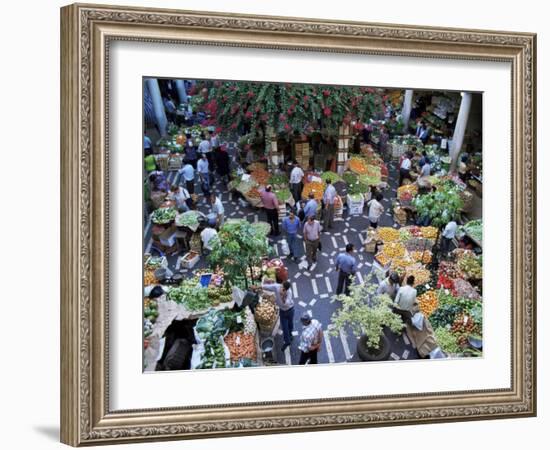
[86,34]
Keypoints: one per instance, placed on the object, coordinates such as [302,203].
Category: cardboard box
[190,260]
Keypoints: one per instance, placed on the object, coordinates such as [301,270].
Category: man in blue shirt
[291,225]
[346,265]
[311,207]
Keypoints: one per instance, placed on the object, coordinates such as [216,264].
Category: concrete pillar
[406,112]
[343,148]
[182,93]
[158,105]
[460,128]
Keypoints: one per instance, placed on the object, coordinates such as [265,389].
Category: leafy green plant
[240,246]
[446,340]
[366,313]
[440,206]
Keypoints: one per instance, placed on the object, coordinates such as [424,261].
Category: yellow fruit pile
[149,278]
[401,263]
[393,250]
[429,232]
[428,302]
[388,234]
[407,188]
[422,257]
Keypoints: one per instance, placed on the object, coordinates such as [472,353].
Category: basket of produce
[260,176]
[164,216]
[406,193]
[191,295]
[470,266]
[156,262]
[266,316]
[424,257]
[149,277]
[358,165]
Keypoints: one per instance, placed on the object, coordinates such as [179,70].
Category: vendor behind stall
[208,237]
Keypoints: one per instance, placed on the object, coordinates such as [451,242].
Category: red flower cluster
[250,94]
[327,111]
[287,127]
[306,98]
[446,283]
[248,114]
[326,92]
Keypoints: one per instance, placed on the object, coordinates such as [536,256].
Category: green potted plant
[239,247]
[368,314]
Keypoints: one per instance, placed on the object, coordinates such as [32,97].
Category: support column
[182,93]
[158,105]
[406,112]
[343,148]
[460,128]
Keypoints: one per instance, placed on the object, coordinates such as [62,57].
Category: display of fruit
[429,232]
[382,259]
[393,250]
[218,295]
[150,309]
[463,288]
[388,234]
[253,193]
[428,302]
[250,326]
[449,269]
[422,257]
[407,192]
[317,188]
[401,263]
[149,277]
[470,266]
[421,275]
[464,325]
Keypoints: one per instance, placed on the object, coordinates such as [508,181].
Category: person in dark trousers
[405,168]
[310,339]
[346,265]
[283,299]
[271,207]
[221,158]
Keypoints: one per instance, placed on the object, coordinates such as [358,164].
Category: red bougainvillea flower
[257,108]
[327,111]
[233,88]
[250,94]
[218,130]
[234,109]
[385,97]
[306,98]
[233,126]
[282,117]
[370,90]
[224,98]
[326,92]
[359,126]
[287,127]
[290,111]
[248,114]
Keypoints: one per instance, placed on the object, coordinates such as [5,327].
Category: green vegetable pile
[470,265]
[189,293]
[475,229]
[278,180]
[332,176]
[164,215]
[262,227]
[188,219]
[283,194]
[447,340]
[440,206]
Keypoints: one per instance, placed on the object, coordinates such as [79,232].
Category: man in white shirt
[202,169]
[216,208]
[406,297]
[328,201]
[447,237]
[207,236]
[188,174]
[204,146]
[375,209]
[405,168]
[296,177]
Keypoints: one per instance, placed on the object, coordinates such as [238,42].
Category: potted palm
[368,314]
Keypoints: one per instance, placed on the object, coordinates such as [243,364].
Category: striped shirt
[311,335]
